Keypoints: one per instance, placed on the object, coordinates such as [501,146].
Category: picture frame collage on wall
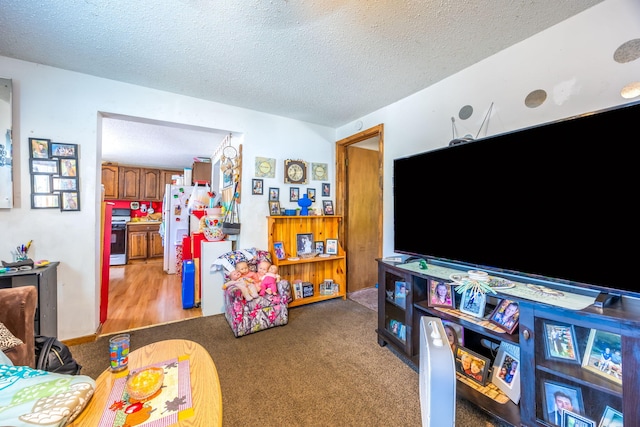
[265,168]
[55,182]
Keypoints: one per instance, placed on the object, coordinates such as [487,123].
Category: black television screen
[554,201]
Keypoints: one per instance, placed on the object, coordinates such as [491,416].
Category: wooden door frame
[341,175]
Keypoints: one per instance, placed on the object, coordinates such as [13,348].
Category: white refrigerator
[175,223]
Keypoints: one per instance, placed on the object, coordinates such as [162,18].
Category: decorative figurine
[304,202]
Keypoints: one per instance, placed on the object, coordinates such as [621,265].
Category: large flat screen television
[554,202]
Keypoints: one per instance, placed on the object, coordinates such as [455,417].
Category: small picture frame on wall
[69,167]
[326,189]
[274,194]
[560,342]
[311,194]
[45,166]
[45,201]
[41,183]
[70,201]
[257,187]
[64,150]
[39,148]
[64,184]
[294,194]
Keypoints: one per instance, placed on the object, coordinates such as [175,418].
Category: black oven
[119,220]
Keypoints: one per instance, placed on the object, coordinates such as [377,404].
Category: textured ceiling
[327,62]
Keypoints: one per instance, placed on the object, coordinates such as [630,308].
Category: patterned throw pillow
[7,339]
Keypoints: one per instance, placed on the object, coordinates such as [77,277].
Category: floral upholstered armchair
[246,317]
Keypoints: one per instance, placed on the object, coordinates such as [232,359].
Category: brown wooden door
[363,209]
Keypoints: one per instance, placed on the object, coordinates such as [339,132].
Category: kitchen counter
[144,222]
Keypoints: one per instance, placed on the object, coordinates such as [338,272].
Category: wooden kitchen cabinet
[150,184]
[129,183]
[143,242]
[110,181]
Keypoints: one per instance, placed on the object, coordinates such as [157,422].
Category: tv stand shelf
[597,392]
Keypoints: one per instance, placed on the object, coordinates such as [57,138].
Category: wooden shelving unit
[314,270]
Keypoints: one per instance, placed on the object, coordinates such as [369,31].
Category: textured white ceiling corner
[347,57]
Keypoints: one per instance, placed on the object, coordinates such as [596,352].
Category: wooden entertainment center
[597,393]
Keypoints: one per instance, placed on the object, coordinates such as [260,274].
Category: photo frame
[294,194]
[278,250]
[64,184]
[331,247]
[68,167]
[572,419]
[39,148]
[274,194]
[69,201]
[327,207]
[473,303]
[455,334]
[311,194]
[318,246]
[304,243]
[560,342]
[440,294]
[400,294]
[58,149]
[257,187]
[45,201]
[611,418]
[553,390]
[603,355]
[472,365]
[506,370]
[506,315]
[50,166]
[274,208]
[40,183]
[326,189]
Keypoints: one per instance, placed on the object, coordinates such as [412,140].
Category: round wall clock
[295,172]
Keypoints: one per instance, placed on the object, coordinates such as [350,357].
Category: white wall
[572,62]
[64,107]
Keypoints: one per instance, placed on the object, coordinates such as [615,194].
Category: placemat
[172,404]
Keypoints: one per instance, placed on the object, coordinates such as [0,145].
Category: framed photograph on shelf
[472,365]
[50,166]
[603,355]
[572,419]
[278,249]
[63,150]
[506,370]
[45,201]
[327,207]
[560,342]
[70,201]
[455,334]
[69,167]
[304,243]
[326,189]
[294,194]
[274,194]
[257,186]
[440,294]
[41,183]
[473,303]
[558,396]
[39,148]
[332,247]
[274,208]
[64,184]
[506,315]
[611,418]
[398,329]
[400,296]
[318,246]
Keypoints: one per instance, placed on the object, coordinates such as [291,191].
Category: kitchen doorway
[359,189]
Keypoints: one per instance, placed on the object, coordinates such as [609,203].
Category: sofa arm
[17,313]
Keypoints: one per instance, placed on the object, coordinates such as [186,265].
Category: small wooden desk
[205,384]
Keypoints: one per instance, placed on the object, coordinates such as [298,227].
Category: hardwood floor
[142,295]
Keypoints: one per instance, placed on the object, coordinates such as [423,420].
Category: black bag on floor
[54,356]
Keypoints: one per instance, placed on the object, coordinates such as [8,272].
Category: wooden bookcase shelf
[314,270]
